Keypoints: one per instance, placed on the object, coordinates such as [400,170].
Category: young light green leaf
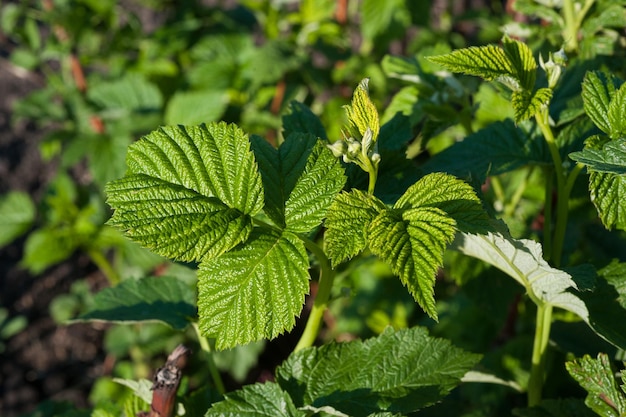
[596,376]
[522,61]
[301,119]
[362,114]
[258,400]
[189,191]
[522,260]
[500,147]
[607,193]
[412,242]
[347,223]
[255,291]
[452,195]
[489,62]
[597,92]
[396,372]
[164,299]
[132,92]
[527,103]
[196,107]
[301,180]
[17,213]
[611,159]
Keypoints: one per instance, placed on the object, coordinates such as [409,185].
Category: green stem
[570,31]
[540,345]
[547,214]
[104,265]
[206,347]
[325,284]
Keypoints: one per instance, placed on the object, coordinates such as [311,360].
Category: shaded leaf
[258,400]
[596,376]
[301,119]
[347,224]
[397,372]
[301,179]
[611,159]
[164,299]
[255,291]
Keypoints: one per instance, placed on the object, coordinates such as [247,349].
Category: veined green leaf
[522,61]
[412,241]
[500,147]
[301,179]
[164,299]
[17,213]
[596,376]
[611,159]
[398,372]
[258,400]
[526,103]
[597,92]
[489,62]
[452,195]
[347,223]
[616,112]
[608,192]
[189,191]
[522,260]
[301,119]
[255,291]
[362,113]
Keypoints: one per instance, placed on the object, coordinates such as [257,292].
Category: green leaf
[254,291]
[17,213]
[258,400]
[489,62]
[301,179]
[164,299]
[455,197]
[596,376]
[189,191]
[131,93]
[616,112]
[362,113]
[607,192]
[378,15]
[500,147]
[527,104]
[611,159]
[597,92]
[196,107]
[302,120]
[562,407]
[522,260]
[398,372]
[412,242]
[347,224]
[522,62]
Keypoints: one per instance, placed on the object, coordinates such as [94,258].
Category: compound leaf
[301,179]
[412,241]
[397,372]
[522,62]
[258,400]
[347,224]
[189,191]
[255,291]
[164,299]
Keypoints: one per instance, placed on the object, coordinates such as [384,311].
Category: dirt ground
[45,361]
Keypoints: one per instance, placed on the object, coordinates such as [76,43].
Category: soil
[46,360]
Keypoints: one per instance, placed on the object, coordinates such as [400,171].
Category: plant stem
[104,265]
[537,370]
[570,31]
[325,284]
[205,346]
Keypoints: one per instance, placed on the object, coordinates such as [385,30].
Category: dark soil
[46,360]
